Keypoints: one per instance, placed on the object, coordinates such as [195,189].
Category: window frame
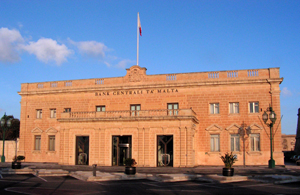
[101,108]
[213,107]
[235,144]
[215,143]
[252,106]
[52,149]
[53,113]
[39,113]
[37,142]
[234,107]
[172,111]
[255,142]
[135,112]
[67,110]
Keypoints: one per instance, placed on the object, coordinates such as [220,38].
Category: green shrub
[229,159]
[18,158]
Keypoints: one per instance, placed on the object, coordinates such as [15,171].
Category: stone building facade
[179,120]
[288,142]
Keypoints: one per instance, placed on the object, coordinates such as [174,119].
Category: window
[53,85]
[234,108]
[99,81]
[37,144]
[40,85]
[53,113]
[235,142]
[68,83]
[173,109]
[253,107]
[135,109]
[254,142]
[51,142]
[214,108]
[67,110]
[215,143]
[39,113]
[100,108]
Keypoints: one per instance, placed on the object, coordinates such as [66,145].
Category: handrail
[129,113]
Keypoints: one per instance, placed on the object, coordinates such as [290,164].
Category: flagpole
[137,49]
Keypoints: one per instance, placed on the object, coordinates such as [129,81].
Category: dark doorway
[164,150]
[121,149]
[82,150]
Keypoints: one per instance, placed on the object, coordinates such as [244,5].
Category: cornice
[130,119]
[150,86]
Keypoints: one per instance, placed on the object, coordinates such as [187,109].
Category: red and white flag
[139,25]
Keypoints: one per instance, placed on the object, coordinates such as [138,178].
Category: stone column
[297,145]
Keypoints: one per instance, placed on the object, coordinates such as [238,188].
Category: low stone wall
[10,149]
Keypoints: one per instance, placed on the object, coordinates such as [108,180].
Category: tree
[13,132]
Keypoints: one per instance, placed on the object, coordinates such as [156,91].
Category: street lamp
[272,117]
[5,124]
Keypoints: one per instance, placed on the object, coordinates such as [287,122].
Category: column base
[271,163]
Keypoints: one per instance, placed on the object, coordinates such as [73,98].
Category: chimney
[297,145]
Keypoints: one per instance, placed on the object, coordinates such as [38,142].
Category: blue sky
[65,40]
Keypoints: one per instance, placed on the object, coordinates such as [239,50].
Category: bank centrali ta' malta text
[134,92]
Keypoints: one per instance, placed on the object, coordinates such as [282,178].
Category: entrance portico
[165,140]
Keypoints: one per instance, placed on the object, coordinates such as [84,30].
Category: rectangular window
[51,142]
[215,143]
[39,113]
[214,108]
[255,142]
[173,109]
[53,113]
[37,144]
[67,110]
[40,85]
[235,142]
[134,109]
[100,108]
[234,108]
[254,107]
[68,83]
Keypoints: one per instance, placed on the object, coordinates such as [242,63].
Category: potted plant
[229,160]
[130,168]
[16,163]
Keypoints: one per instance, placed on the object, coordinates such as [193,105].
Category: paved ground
[29,184]
[49,178]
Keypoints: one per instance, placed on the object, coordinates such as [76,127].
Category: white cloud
[107,64]
[91,48]
[48,50]
[9,42]
[285,92]
[123,63]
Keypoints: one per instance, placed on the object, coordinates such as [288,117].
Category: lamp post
[272,117]
[5,124]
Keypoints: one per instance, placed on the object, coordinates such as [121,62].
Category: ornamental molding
[135,74]
[214,128]
[37,130]
[255,128]
[234,128]
[51,130]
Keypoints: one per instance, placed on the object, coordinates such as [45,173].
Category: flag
[139,25]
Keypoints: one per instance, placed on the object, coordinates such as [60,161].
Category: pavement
[280,174]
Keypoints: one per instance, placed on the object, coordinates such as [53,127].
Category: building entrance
[121,150]
[82,150]
[164,150]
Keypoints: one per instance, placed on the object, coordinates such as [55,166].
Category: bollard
[94,169]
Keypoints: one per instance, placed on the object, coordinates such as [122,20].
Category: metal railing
[128,113]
